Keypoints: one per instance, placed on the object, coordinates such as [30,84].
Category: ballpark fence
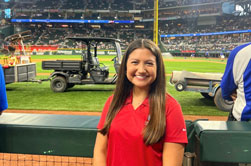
[68,140]
[47,140]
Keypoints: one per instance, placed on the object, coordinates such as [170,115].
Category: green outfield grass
[34,96]
[201,66]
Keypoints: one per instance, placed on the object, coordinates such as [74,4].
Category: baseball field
[91,98]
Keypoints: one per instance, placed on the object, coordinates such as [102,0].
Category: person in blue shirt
[3,96]
[236,82]
[207,54]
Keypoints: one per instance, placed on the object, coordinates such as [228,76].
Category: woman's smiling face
[141,68]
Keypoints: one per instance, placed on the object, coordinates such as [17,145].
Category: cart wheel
[223,105]
[206,95]
[70,85]
[180,86]
[58,84]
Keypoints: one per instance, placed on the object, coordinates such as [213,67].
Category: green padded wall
[221,141]
[66,135]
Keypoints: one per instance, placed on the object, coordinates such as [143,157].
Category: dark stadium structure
[202,22]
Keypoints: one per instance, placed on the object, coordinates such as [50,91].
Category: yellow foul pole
[156,19]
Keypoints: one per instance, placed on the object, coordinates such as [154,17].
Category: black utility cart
[88,70]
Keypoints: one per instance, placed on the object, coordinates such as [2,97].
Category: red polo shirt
[125,140]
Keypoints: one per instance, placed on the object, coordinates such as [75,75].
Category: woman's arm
[173,154]
[100,149]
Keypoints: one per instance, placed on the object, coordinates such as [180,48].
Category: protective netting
[10,159]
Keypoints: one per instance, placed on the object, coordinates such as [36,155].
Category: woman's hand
[234,96]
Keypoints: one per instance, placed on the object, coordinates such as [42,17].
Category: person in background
[141,125]
[192,55]
[207,54]
[222,56]
[236,83]
[3,96]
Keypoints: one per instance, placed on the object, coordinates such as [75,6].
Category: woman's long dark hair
[155,128]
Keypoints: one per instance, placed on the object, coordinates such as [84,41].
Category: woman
[141,125]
